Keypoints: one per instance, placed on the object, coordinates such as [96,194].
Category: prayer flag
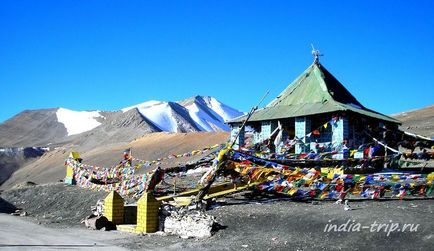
[292,191]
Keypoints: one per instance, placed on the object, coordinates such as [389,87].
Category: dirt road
[19,234]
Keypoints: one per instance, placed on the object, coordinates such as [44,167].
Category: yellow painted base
[114,208]
[147,213]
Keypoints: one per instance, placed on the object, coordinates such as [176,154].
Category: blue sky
[107,55]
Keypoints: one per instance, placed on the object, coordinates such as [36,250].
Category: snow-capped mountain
[199,113]
[59,125]
[166,116]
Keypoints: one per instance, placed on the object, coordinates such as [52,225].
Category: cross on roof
[316,54]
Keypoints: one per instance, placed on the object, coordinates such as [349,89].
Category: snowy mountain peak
[226,112]
[143,105]
[199,113]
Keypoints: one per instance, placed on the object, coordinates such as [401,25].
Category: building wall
[302,127]
[330,137]
[234,131]
[340,131]
[324,140]
[267,127]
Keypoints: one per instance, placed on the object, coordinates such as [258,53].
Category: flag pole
[247,119]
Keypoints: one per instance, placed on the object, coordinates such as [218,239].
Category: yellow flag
[325,170]
[325,125]
[74,155]
[69,172]
[292,191]
[324,195]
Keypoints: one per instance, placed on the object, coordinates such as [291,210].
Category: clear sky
[107,55]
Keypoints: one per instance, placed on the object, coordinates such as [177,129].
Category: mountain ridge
[86,129]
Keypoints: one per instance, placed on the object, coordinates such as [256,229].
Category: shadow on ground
[6,207]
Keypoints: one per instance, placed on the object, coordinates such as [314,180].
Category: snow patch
[204,121]
[78,122]
[142,105]
[224,111]
[159,113]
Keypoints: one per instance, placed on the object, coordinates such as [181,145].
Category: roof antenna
[316,54]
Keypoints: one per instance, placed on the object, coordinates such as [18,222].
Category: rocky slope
[11,159]
[420,121]
[32,128]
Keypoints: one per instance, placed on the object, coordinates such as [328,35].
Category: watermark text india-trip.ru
[375,227]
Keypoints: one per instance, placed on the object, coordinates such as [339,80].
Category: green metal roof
[315,91]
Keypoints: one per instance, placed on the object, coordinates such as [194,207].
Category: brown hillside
[419,121]
[49,168]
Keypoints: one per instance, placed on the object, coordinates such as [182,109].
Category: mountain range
[35,143]
[86,129]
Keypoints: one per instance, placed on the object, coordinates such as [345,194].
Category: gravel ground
[265,223]
[54,204]
[285,225]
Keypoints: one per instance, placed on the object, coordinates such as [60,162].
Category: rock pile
[96,221]
[189,224]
